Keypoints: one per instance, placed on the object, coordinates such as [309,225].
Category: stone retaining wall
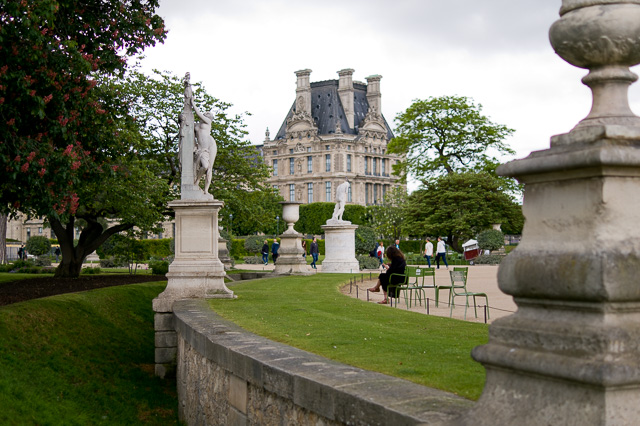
[228,376]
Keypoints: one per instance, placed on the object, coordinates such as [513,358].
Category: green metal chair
[459,288]
[415,283]
[464,269]
[393,290]
[428,281]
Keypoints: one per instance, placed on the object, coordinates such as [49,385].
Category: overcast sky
[494,51]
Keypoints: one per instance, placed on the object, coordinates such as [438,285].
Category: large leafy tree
[446,134]
[458,206]
[388,219]
[239,174]
[64,144]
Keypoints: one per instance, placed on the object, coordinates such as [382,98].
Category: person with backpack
[380,252]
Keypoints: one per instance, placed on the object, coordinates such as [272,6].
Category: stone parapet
[229,376]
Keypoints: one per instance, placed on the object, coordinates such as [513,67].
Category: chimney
[373,92]
[345,90]
[303,91]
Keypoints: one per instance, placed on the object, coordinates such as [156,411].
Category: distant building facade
[334,130]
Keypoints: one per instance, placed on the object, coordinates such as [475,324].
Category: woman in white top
[441,253]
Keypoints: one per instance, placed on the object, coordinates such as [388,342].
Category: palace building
[334,130]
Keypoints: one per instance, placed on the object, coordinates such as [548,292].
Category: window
[292,192]
[328,191]
[309,193]
[308,149]
[365,149]
[366,193]
[375,193]
[348,162]
[375,166]
[349,194]
[291,166]
[327,147]
[291,151]
[383,166]
[348,147]
[40,230]
[366,165]
[309,164]
[275,167]
[275,152]
[327,160]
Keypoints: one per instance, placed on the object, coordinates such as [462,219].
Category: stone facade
[334,130]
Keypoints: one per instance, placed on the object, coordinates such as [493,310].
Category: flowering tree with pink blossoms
[67,142]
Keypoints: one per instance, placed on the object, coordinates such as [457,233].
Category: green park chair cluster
[416,279]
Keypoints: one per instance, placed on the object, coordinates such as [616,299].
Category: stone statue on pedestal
[341,200]
[197,148]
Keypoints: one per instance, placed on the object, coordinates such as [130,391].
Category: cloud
[495,51]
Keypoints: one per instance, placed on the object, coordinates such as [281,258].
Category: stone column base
[290,260]
[340,247]
[196,272]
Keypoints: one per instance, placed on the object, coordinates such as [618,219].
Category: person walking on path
[274,250]
[397,266]
[265,252]
[441,253]
[314,252]
[380,252]
[428,251]
[304,249]
[57,253]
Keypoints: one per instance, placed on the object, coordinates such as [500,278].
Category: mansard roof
[327,109]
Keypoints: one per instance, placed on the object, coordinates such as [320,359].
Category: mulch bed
[34,288]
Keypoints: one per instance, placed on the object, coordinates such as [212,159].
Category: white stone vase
[290,214]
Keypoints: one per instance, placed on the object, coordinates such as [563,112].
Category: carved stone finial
[602,36]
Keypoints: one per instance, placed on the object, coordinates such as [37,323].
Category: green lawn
[12,276]
[83,359]
[311,314]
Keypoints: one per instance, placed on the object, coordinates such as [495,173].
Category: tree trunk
[454,242]
[91,237]
[3,239]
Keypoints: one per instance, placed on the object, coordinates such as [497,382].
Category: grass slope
[83,359]
[311,314]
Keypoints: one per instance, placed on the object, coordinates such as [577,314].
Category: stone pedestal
[290,260]
[196,271]
[340,247]
[571,353]
[223,254]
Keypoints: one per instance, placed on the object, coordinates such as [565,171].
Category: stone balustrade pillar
[571,353]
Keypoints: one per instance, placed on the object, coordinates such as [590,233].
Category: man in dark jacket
[314,252]
[265,252]
[274,250]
